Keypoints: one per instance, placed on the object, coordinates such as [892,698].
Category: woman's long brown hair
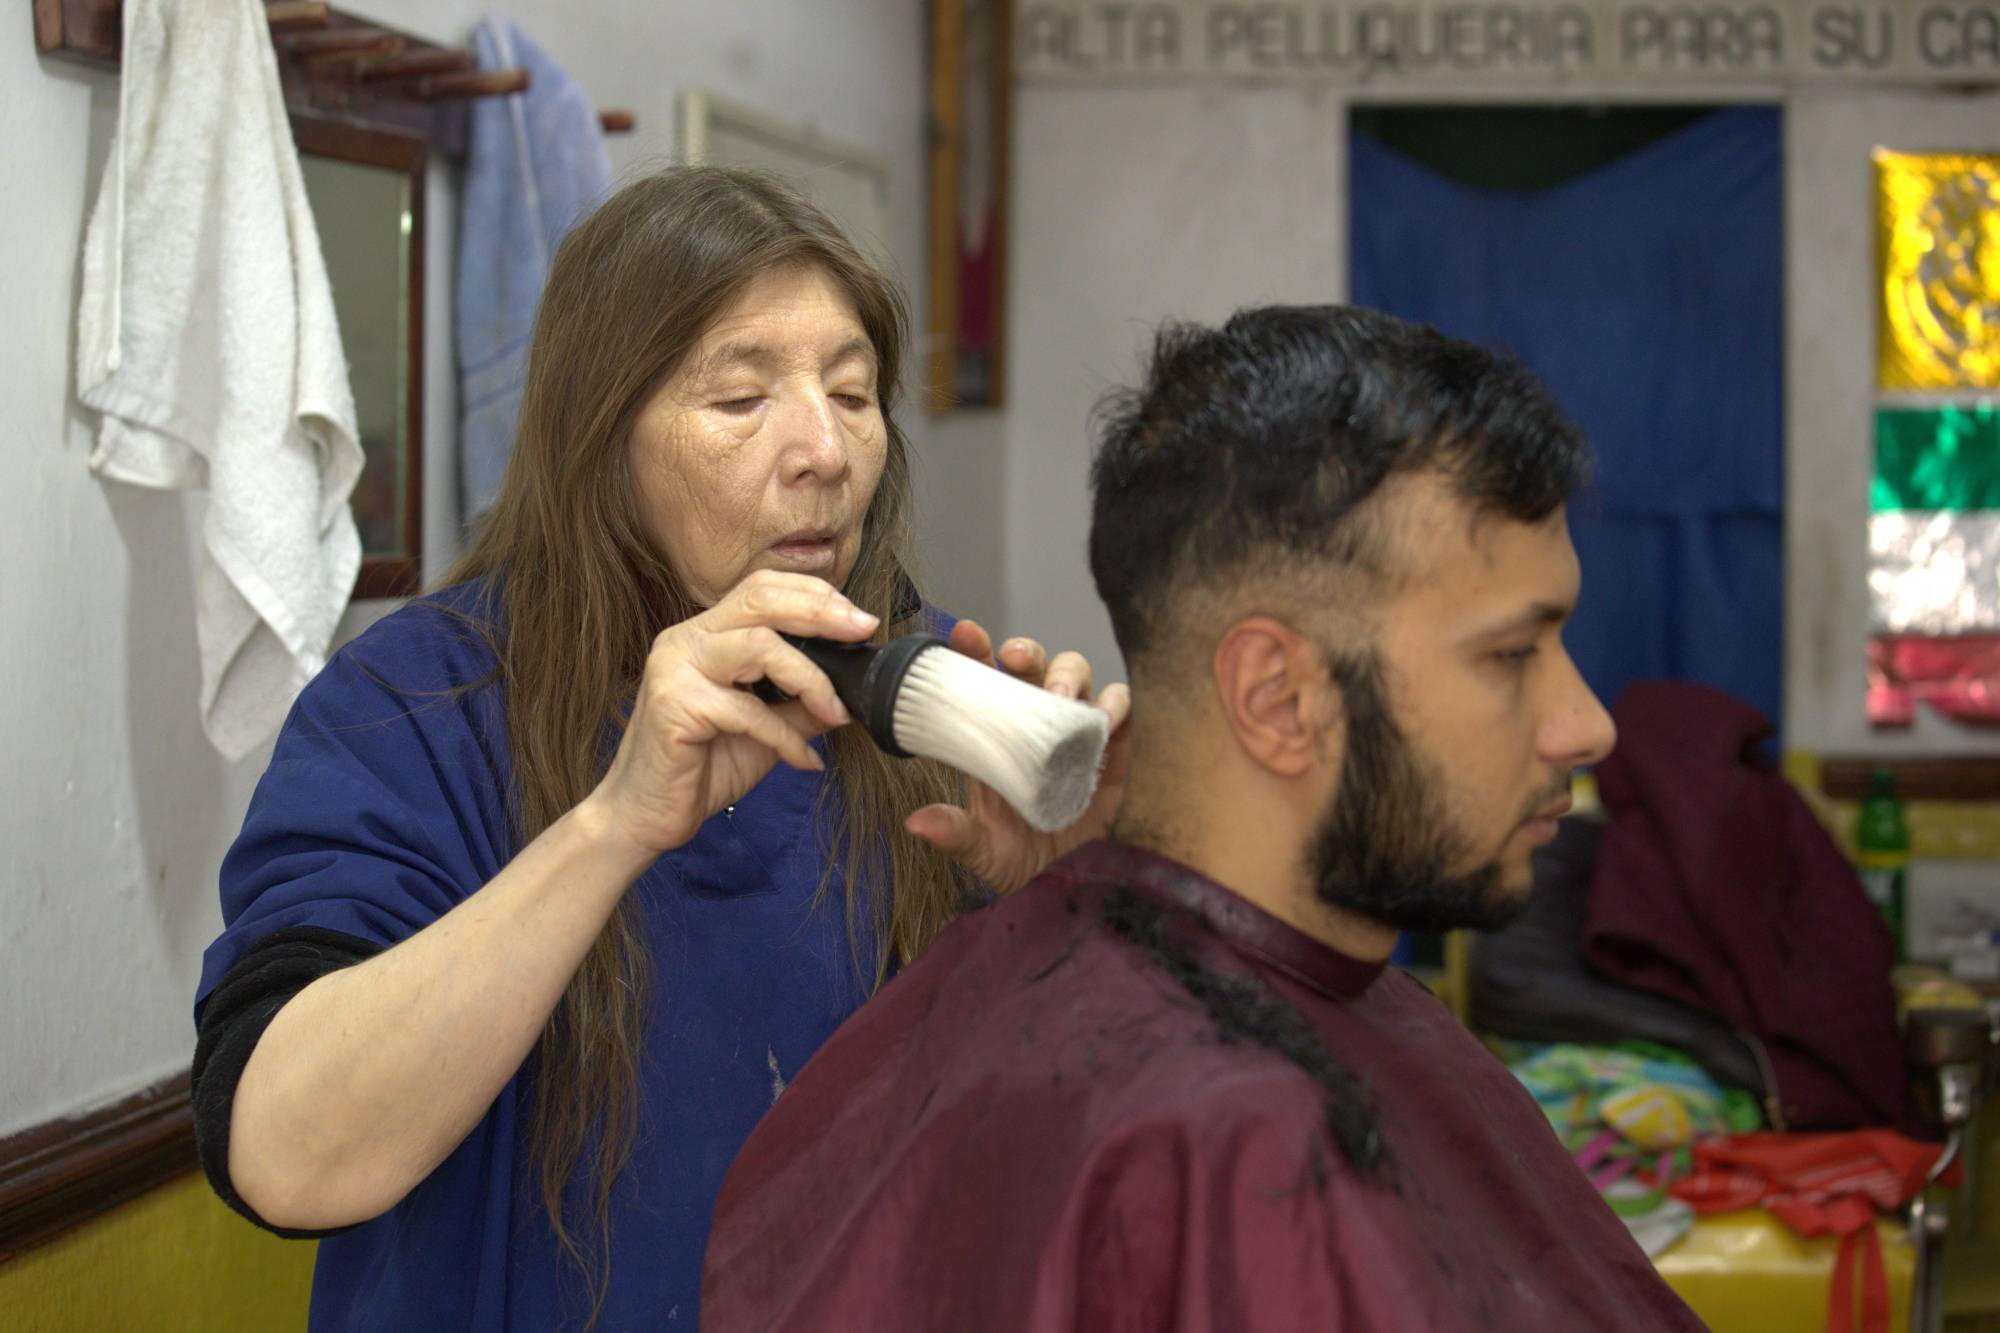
[576,595]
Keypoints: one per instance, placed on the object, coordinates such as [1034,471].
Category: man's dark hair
[1250,447]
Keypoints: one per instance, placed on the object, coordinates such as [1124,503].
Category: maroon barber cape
[1037,1126]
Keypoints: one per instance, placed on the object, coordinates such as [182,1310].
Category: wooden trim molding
[56,1176]
[330,64]
[1919,778]
[316,80]
[948,127]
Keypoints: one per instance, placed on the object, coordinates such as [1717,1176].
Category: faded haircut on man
[1252,473]
[1252,451]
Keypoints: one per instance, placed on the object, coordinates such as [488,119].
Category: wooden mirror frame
[407,155]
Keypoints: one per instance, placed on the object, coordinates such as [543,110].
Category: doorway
[1632,256]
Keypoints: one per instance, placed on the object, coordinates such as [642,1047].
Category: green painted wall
[176,1259]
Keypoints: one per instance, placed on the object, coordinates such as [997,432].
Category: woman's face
[764,450]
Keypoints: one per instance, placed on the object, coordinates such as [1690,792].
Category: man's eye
[1517,657]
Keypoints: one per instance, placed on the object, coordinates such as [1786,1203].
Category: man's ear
[1276,694]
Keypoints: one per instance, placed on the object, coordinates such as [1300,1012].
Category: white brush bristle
[1039,751]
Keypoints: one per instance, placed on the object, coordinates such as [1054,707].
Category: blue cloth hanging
[535,166]
[1648,295]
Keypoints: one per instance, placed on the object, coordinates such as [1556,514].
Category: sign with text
[1473,42]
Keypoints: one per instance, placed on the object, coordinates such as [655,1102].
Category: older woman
[536,909]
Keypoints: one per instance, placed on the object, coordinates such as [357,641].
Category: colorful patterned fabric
[1628,1114]
[1939,221]
[1655,1098]
[1934,535]
[1958,676]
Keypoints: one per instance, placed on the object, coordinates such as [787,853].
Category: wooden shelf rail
[331,64]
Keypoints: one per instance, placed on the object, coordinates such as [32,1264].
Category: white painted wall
[115,813]
[115,810]
[1131,206]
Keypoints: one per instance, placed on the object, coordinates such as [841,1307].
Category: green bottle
[1883,840]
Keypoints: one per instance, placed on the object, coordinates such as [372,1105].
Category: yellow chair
[1747,1272]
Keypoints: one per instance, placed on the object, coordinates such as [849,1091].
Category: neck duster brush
[915,695]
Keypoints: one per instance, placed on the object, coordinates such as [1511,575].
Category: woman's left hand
[986,835]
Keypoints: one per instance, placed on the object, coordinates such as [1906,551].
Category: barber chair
[1745,1272]
[1957,1048]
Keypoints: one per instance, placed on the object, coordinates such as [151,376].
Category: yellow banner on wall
[1938,216]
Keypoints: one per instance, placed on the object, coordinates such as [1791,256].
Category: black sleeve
[232,1020]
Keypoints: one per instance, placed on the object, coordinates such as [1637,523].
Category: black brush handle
[866,676]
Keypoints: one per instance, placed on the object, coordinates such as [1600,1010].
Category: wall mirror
[366,188]
[850,182]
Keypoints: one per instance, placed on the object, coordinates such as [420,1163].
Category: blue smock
[385,804]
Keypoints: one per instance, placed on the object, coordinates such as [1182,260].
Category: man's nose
[1578,731]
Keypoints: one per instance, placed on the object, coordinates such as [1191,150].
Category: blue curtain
[1647,295]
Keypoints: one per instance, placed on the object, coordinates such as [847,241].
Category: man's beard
[1383,850]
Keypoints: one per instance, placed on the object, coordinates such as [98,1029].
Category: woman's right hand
[696,742]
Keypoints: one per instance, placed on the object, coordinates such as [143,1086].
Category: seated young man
[1170,1084]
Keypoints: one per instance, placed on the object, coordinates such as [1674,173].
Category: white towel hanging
[206,337]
